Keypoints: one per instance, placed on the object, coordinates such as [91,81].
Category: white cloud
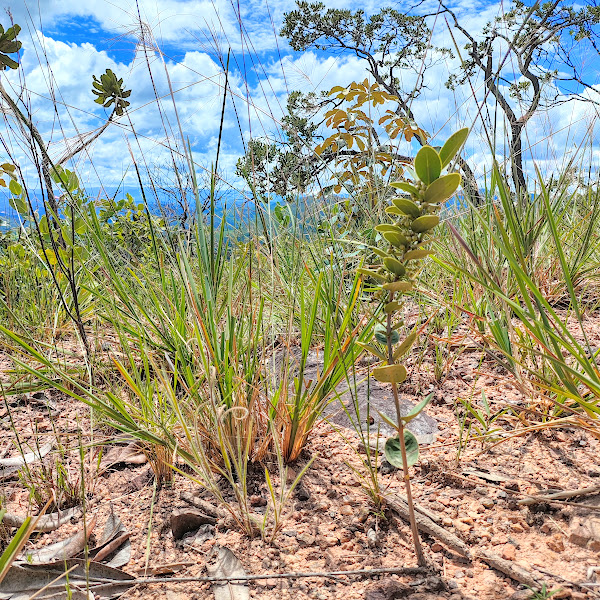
[185,27]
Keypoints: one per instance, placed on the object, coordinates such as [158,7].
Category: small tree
[392,44]
[358,155]
[527,62]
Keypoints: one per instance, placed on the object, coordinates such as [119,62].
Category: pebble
[460,526]
[373,538]
[487,502]
[258,500]
[306,538]
[363,514]
[556,544]
[561,593]
[509,552]
[302,494]
[346,510]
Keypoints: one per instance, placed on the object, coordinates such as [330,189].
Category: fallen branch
[45,523]
[420,509]
[10,466]
[523,494]
[582,586]
[560,495]
[208,508]
[111,547]
[509,568]
[428,526]
[242,578]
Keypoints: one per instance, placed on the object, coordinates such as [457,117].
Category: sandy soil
[329,525]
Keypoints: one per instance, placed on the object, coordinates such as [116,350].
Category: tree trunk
[516,159]
[470,186]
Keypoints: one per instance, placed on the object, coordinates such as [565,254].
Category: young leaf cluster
[110,91]
[9,45]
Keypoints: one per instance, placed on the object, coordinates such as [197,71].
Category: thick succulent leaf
[442,188]
[399,286]
[417,254]
[452,146]
[405,346]
[392,307]
[405,187]
[394,266]
[396,239]
[408,207]
[428,164]
[383,227]
[393,450]
[390,373]
[373,274]
[424,223]
[380,335]
[373,350]
[392,210]
[8,62]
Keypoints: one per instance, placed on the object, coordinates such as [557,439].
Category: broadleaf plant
[110,91]
[9,45]
[415,214]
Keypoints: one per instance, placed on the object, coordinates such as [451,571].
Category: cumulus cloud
[194,36]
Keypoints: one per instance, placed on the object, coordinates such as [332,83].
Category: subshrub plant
[406,242]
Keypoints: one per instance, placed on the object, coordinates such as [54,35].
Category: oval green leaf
[442,188]
[405,187]
[428,164]
[396,239]
[370,348]
[408,207]
[51,256]
[380,334]
[393,450]
[394,266]
[417,254]
[383,227]
[373,274]
[399,286]
[392,307]
[453,144]
[390,373]
[19,205]
[405,346]
[416,411]
[424,223]
[392,210]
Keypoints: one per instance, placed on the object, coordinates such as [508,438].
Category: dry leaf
[227,564]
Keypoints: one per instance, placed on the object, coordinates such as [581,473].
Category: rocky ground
[329,524]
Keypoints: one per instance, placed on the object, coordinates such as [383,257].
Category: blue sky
[66,41]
